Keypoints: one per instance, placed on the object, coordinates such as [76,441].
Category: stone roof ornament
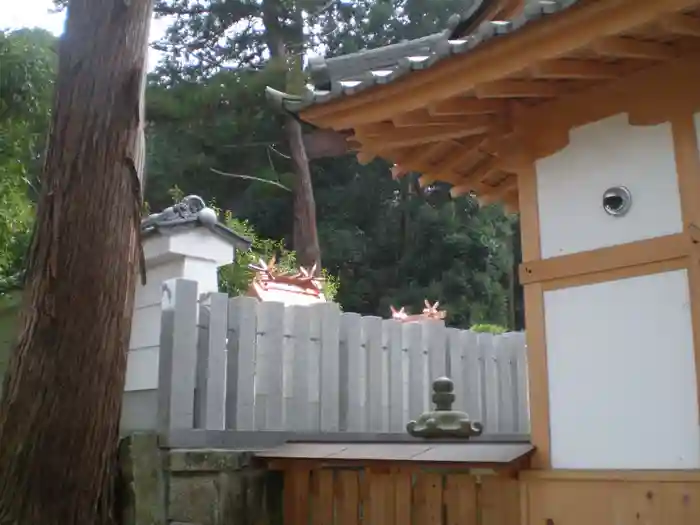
[183,212]
[443,422]
[191,212]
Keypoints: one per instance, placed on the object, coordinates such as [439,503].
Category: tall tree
[61,402]
[211,35]
[276,19]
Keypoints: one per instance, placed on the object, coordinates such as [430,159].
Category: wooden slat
[403,505]
[322,509]
[381,505]
[296,496]
[428,495]
[347,498]
[460,499]
[499,501]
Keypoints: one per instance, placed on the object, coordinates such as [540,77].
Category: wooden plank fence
[239,364]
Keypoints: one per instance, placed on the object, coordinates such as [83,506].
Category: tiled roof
[346,75]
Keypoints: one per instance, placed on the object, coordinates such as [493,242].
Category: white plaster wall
[163,264]
[622,384]
[600,155]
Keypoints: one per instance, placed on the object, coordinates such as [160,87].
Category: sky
[15,14]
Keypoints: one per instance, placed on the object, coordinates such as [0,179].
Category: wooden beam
[472,182]
[679,24]
[421,117]
[561,34]
[498,193]
[576,69]
[457,159]
[405,137]
[519,89]
[418,159]
[620,47]
[466,106]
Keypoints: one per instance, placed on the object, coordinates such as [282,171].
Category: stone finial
[443,422]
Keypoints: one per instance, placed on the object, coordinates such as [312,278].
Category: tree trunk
[305,233]
[59,416]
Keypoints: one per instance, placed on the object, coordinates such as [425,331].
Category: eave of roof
[237,241]
[350,74]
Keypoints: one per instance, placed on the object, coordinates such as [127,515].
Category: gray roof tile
[350,74]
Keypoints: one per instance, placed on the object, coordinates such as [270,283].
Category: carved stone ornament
[443,422]
[190,209]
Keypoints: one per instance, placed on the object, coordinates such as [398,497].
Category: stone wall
[195,487]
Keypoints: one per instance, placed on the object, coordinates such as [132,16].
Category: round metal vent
[617,201]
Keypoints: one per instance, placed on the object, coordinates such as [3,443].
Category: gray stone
[194,499]
[208,460]
[143,483]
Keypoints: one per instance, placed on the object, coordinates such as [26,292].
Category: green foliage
[235,278]
[27,72]
[387,242]
[489,329]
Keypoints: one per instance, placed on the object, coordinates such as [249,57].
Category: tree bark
[59,415]
[304,232]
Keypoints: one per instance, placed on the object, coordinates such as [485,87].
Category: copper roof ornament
[272,284]
[430,312]
[443,422]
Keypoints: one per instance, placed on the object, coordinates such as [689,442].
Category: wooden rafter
[473,181]
[519,89]
[679,24]
[572,30]
[509,185]
[576,69]
[418,159]
[466,106]
[620,47]
[422,117]
[390,137]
